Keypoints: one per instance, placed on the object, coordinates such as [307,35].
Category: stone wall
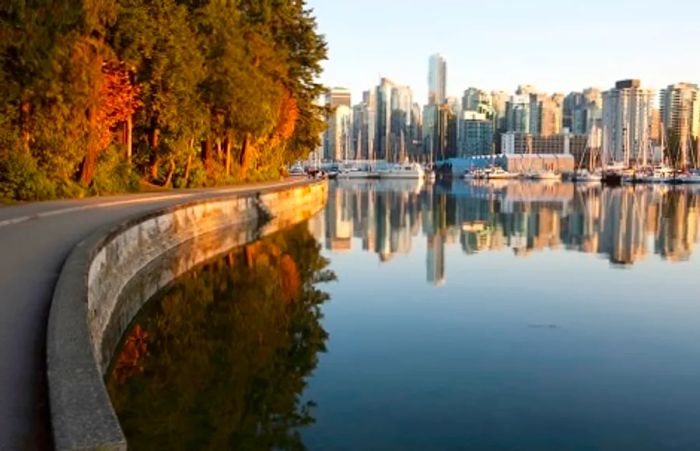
[110,275]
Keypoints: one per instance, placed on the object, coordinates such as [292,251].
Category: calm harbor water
[460,316]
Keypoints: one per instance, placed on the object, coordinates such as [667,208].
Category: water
[464,316]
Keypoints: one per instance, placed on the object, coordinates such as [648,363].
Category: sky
[555,45]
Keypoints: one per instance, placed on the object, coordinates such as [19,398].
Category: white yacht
[498,173]
[659,174]
[543,175]
[690,177]
[403,171]
[583,175]
[353,173]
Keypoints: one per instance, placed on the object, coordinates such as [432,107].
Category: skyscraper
[582,110]
[680,116]
[437,79]
[337,140]
[383,135]
[473,98]
[338,96]
[401,105]
[626,119]
[518,114]
[474,134]
[550,111]
[364,125]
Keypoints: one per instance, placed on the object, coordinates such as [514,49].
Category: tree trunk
[218,148]
[153,169]
[129,131]
[171,171]
[245,155]
[89,166]
[87,169]
[154,138]
[188,166]
[207,154]
[25,110]
[153,141]
[228,156]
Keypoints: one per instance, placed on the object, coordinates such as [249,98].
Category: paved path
[35,239]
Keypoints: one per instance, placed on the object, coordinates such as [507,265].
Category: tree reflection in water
[220,359]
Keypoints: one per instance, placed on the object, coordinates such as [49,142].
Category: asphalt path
[35,239]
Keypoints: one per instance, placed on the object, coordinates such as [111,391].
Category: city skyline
[554,55]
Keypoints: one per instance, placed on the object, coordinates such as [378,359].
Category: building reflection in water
[624,225]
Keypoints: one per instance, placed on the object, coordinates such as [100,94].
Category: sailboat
[587,175]
[689,175]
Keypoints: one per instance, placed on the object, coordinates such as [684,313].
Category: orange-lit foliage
[128,363]
[119,99]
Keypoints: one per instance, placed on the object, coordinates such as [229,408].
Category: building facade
[680,117]
[518,114]
[383,141]
[338,137]
[514,143]
[626,123]
[437,79]
[474,134]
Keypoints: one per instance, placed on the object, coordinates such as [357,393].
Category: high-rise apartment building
[338,137]
[550,112]
[498,103]
[401,106]
[430,119]
[626,123]
[416,130]
[383,139]
[518,114]
[473,98]
[474,134]
[582,110]
[680,116]
[338,96]
[340,134]
[437,79]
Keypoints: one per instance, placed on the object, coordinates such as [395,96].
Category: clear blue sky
[556,45]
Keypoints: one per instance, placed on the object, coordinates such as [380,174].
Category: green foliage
[226,91]
[20,178]
[114,174]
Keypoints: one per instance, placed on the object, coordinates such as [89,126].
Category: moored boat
[543,175]
[585,176]
[402,171]
[498,173]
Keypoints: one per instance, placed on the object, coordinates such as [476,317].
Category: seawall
[110,275]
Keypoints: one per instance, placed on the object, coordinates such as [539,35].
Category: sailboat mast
[663,145]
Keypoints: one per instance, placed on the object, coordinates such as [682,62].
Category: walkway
[35,239]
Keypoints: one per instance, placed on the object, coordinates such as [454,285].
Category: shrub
[113,174]
[21,179]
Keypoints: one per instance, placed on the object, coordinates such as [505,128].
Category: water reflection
[220,359]
[623,224]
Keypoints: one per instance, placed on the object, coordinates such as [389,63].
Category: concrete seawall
[110,275]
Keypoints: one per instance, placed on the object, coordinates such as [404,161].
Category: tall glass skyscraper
[437,79]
